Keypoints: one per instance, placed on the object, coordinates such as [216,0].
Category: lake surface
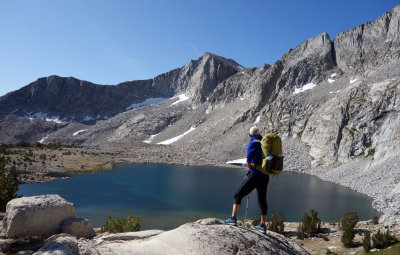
[166,196]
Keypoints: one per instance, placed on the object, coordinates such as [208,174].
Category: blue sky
[108,42]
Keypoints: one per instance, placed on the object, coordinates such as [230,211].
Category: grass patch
[371,152]
[352,131]
[368,144]
[393,250]
[97,168]
[57,175]
[299,134]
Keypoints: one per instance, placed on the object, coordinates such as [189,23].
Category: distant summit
[71,99]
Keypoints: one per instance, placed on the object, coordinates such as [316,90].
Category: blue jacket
[254,155]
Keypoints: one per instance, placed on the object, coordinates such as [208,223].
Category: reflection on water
[166,196]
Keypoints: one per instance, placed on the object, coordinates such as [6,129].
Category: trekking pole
[245,216]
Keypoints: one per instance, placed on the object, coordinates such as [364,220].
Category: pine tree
[310,224]
[367,242]
[8,184]
[277,223]
[347,223]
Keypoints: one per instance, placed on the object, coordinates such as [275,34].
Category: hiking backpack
[271,145]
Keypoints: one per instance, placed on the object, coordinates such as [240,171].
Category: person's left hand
[248,165]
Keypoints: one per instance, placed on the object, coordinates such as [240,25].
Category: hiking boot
[259,227]
[229,221]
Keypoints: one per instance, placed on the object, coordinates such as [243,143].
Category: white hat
[254,131]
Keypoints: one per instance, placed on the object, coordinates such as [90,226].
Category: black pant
[254,181]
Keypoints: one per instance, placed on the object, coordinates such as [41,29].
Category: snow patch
[333,75]
[54,119]
[331,80]
[352,81]
[148,101]
[208,111]
[257,120]
[43,116]
[151,138]
[16,110]
[331,92]
[304,88]
[78,132]
[172,140]
[70,117]
[182,97]
[44,138]
[241,161]
[88,118]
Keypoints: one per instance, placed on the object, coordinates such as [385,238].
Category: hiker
[254,180]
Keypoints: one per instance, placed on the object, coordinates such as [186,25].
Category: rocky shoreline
[56,230]
[378,180]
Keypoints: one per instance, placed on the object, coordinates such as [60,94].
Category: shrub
[329,252]
[375,220]
[310,224]
[378,241]
[277,223]
[325,238]
[23,144]
[371,152]
[8,184]
[347,224]
[300,232]
[255,222]
[129,224]
[367,242]
[382,241]
[367,144]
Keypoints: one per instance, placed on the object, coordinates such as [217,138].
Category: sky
[108,42]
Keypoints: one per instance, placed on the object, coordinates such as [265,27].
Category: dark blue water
[166,196]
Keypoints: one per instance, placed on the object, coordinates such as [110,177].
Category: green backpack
[271,145]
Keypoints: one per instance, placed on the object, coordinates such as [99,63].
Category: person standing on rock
[254,180]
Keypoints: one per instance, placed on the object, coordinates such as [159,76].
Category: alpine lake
[167,196]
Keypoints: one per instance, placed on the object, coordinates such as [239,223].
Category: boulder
[37,215]
[64,245]
[202,237]
[78,227]
[86,248]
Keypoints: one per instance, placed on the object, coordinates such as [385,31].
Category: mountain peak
[230,62]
